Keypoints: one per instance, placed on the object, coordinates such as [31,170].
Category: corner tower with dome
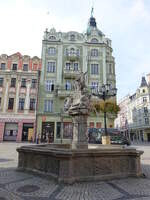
[64,56]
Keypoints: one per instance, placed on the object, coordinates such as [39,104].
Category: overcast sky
[125,22]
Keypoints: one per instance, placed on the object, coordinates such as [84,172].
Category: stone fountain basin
[67,165]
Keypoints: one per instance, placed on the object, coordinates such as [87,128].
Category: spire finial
[92,9]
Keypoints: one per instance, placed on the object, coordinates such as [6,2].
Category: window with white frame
[1,81]
[68,66]
[94,52]
[2,66]
[49,85]
[68,85]
[75,66]
[21,103]
[32,104]
[94,69]
[48,105]
[144,99]
[146,121]
[52,51]
[51,67]
[94,85]
[25,67]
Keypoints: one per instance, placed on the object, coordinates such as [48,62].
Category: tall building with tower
[64,56]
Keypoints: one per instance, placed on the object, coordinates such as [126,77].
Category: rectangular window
[25,67]
[51,67]
[3,66]
[49,86]
[21,103]
[91,124]
[67,130]
[144,99]
[14,67]
[23,83]
[94,52]
[48,106]
[110,69]
[98,124]
[68,85]
[94,69]
[32,104]
[68,66]
[145,110]
[1,82]
[58,132]
[52,51]
[34,83]
[146,121]
[10,103]
[75,67]
[94,86]
[13,82]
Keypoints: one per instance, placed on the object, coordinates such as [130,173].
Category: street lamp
[104,92]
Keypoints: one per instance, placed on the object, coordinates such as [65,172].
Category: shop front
[10,132]
[47,132]
[28,132]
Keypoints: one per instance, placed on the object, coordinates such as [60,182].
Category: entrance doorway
[48,132]
[27,132]
[148,137]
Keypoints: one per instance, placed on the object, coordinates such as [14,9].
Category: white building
[134,116]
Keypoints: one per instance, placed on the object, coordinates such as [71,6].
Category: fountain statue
[80,161]
[78,107]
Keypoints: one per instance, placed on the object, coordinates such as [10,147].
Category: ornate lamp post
[104,92]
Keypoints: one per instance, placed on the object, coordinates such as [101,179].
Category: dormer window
[72,37]
[52,37]
[94,40]
[143,90]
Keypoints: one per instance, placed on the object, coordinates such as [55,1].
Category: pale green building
[64,56]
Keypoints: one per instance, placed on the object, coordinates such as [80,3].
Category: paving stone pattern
[15,185]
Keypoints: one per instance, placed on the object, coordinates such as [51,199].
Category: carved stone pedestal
[80,137]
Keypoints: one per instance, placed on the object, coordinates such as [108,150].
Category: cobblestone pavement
[16,185]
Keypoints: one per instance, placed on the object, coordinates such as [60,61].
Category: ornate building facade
[64,56]
[19,77]
[134,116]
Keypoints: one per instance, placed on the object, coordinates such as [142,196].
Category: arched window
[52,37]
[72,37]
[94,40]
[72,50]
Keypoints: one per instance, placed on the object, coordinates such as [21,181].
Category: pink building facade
[19,78]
